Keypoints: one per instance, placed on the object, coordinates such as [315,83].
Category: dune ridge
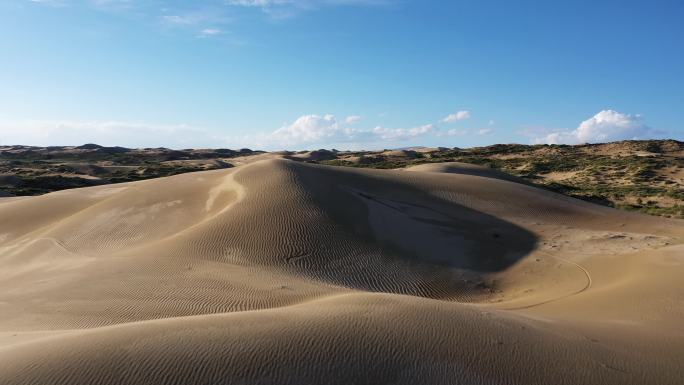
[278,271]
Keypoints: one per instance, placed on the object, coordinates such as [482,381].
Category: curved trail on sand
[582,290]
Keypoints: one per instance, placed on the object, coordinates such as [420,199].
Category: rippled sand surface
[279,272]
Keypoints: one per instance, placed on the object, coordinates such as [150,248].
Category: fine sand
[281,272]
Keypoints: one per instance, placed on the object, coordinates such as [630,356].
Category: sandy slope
[465,169]
[284,272]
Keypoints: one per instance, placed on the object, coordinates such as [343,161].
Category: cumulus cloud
[605,126]
[309,131]
[352,119]
[313,131]
[455,117]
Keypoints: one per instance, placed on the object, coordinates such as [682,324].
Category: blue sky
[347,74]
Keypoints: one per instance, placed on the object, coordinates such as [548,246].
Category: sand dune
[465,169]
[283,272]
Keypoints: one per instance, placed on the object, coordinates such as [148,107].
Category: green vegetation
[38,170]
[646,176]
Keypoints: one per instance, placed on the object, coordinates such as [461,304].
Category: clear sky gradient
[347,74]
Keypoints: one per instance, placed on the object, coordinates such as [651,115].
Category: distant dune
[465,169]
[284,272]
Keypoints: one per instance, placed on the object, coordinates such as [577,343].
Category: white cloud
[306,129]
[385,133]
[464,132]
[455,117]
[179,20]
[107,133]
[352,119]
[456,132]
[209,32]
[605,126]
[310,131]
